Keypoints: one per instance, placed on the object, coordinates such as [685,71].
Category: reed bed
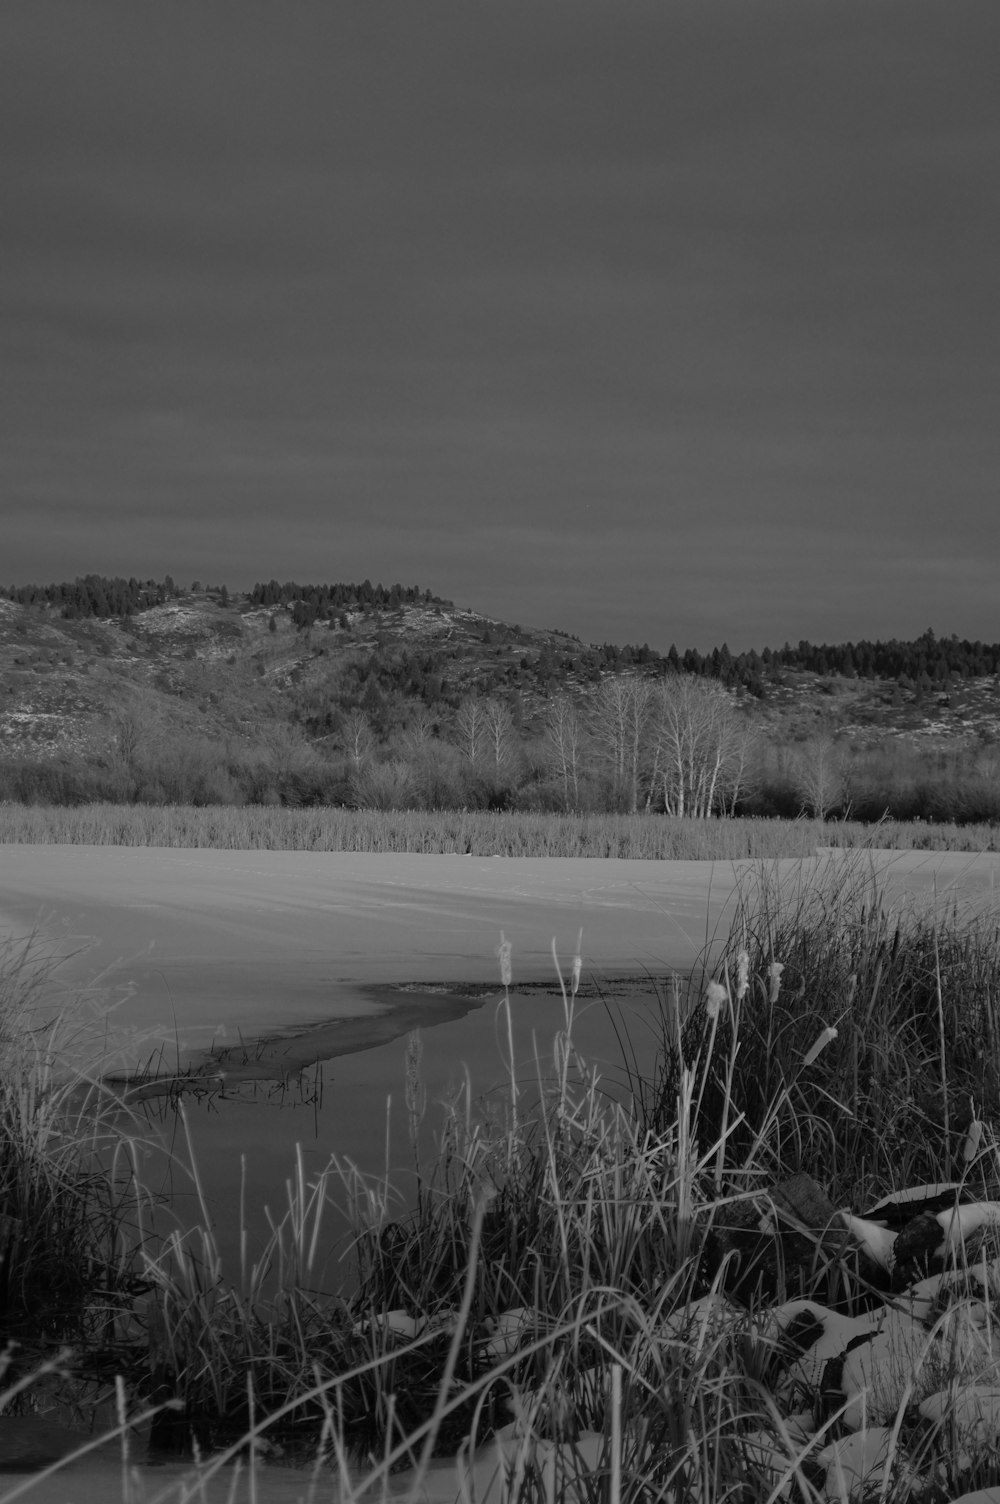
[563,1310]
[69,1267]
[904,998]
[470,832]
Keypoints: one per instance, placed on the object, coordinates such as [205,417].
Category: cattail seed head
[774,978]
[820,1044]
[742,975]
[504,950]
[715,996]
[973,1139]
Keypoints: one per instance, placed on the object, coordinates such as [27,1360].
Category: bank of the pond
[280,1057]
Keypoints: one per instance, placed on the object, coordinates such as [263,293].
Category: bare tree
[697,745]
[136,727]
[358,736]
[287,752]
[499,734]
[619,722]
[470,728]
[818,775]
[744,766]
[431,762]
[563,743]
[418,738]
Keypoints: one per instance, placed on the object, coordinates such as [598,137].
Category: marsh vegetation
[591,1287]
[471,832]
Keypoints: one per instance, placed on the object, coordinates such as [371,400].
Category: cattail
[774,976]
[819,1044]
[715,996]
[504,952]
[973,1139]
[577,963]
[742,975]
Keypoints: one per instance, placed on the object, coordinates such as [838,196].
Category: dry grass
[557,1295]
[64,1220]
[912,994]
[477,832]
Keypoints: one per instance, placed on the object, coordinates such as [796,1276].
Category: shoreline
[280,1056]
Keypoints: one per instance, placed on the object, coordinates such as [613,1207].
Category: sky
[663,322]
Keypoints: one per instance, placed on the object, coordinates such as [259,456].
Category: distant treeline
[311,603]
[782,782]
[101,596]
[926,661]
[95,595]
[940,658]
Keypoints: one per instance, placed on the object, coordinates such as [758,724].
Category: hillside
[229,666]
[300,676]
[235,668]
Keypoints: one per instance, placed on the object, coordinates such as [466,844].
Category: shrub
[385,786]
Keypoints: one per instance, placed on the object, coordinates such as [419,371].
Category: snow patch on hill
[184,620]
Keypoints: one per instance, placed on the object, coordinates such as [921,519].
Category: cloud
[670,321]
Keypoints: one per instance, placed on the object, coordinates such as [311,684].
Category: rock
[565,1469]
[813,1335]
[951,1232]
[859,1366]
[768,1457]
[916,1231]
[902,1206]
[855,1461]
[399,1323]
[511,1329]
[759,1238]
[878,1372]
[711,1314]
[929,1297]
[974,1410]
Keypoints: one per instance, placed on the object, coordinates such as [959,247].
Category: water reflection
[245,1136]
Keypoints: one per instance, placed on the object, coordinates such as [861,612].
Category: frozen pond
[218,941]
[194,955]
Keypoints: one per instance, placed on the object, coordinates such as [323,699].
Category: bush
[383,785]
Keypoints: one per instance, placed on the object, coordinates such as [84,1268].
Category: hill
[98,674]
[224,665]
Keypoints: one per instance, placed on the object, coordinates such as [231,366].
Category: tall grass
[585,1298]
[66,1261]
[912,995]
[539,1290]
[474,832]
